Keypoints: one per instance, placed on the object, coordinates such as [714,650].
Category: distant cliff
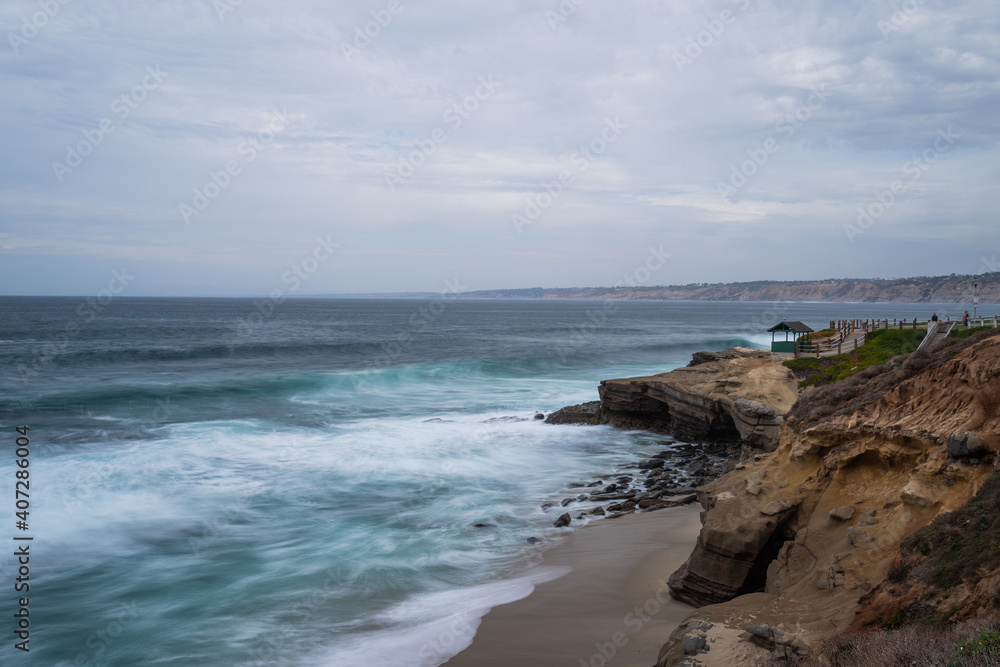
[940,289]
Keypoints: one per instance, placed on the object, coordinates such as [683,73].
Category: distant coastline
[924,289]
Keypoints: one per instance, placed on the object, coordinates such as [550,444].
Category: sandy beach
[612,608]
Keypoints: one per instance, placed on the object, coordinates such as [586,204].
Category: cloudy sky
[236,147]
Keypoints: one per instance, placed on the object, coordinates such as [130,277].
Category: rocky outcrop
[731,396]
[795,538]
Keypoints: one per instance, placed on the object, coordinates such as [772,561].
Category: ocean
[312,481]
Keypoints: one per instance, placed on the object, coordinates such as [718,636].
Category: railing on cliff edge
[852,334]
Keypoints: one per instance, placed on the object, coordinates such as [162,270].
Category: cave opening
[757,576]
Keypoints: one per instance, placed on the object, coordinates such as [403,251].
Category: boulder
[966,444]
[563,521]
[776,507]
[842,513]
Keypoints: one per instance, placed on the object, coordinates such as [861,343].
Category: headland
[821,529]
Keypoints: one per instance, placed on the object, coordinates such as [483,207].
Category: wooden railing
[852,334]
[873,324]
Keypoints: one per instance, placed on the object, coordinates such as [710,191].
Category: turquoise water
[303,487]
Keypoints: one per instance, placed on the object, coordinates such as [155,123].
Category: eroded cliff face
[732,396]
[793,539]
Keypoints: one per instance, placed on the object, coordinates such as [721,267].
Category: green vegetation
[882,346]
[987,644]
[819,335]
[974,643]
[962,332]
[908,614]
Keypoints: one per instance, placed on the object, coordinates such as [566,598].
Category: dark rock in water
[651,464]
[597,483]
[545,506]
[436,420]
[567,501]
[966,444]
[533,540]
[599,511]
[563,521]
[585,413]
[613,496]
[582,496]
[614,507]
[610,488]
[580,517]
[575,485]
[482,525]
[539,416]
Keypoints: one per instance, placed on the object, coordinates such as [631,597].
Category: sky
[244,147]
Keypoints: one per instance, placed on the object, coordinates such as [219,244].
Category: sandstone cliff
[739,395]
[793,539]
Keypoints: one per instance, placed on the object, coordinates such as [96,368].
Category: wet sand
[613,607]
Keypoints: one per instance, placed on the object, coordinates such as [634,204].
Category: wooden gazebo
[793,329]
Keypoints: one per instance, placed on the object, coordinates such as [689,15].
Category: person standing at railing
[934,317]
[965,320]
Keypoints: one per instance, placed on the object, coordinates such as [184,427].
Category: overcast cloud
[208,146]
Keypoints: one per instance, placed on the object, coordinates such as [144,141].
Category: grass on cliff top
[882,346]
[847,383]
[961,332]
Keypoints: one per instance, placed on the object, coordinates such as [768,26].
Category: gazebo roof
[797,327]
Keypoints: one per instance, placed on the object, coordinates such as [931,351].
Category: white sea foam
[428,630]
